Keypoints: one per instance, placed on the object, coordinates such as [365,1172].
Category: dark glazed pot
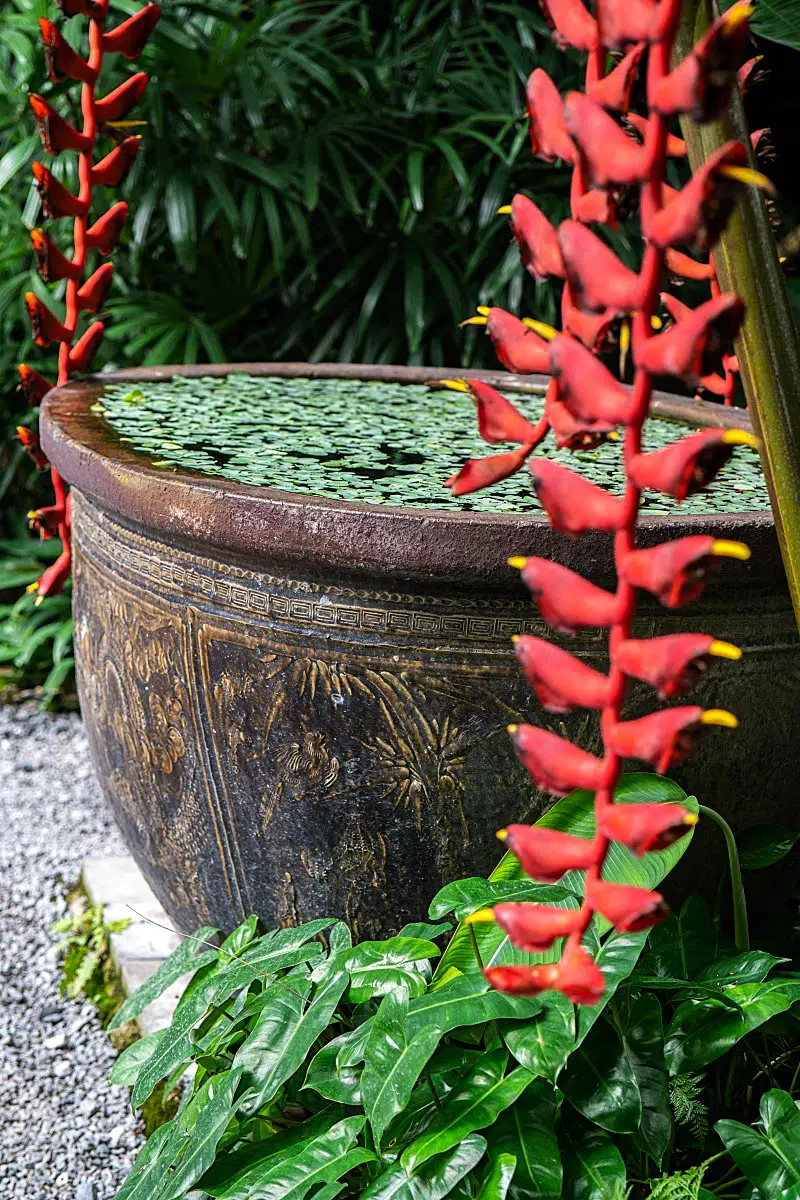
[298,707]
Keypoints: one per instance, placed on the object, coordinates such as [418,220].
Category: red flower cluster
[584,404]
[101,117]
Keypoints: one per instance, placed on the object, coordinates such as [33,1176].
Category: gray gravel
[64,1132]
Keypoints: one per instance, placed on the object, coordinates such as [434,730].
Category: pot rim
[284,527]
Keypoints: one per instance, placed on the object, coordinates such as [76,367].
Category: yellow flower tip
[725,650]
[482,917]
[625,336]
[656,323]
[691,818]
[502,835]
[34,514]
[719,716]
[544,331]
[515,638]
[740,437]
[455,385]
[782,258]
[512,729]
[725,549]
[749,176]
[484,309]
[613,436]
[32,587]
[737,16]
[517,562]
[504,210]
[473,321]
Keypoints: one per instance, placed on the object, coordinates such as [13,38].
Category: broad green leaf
[476,1103]
[234,1176]
[770,1159]
[284,1034]
[599,1082]
[238,941]
[616,958]
[434,1180]
[340,1084]
[375,968]
[644,1041]
[593,1166]
[14,159]
[496,1184]
[703,1030]
[465,896]
[393,1063]
[682,946]
[148,1167]
[751,967]
[544,1043]
[466,1000]
[261,964]
[422,929]
[526,1132]
[190,955]
[777,20]
[325,1159]
[206,1118]
[762,845]
[127,1067]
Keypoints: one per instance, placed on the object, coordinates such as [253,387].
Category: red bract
[522,981]
[611,156]
[547,854]
[530,927]
[701,85]
[57,201]
[32,447]
[573,504]
[700,211]
[569,432]
[579,978]
[33,386]
[52,264]
[571,23]
[567,601]
[688,268]
[590,329]
[84,8]
[56,133]
[676,571]
[519,348]
[131,36]
[561,681]
[61,60]
[46,521]
[118,103]
[693,346]
[479,473]
[674,663]
[549,134]
[585,386]
[631,21]
[690,465]
[104,234]
[628,909]
[45,327]
[94,292]
[554,764]
[614,90]
[53,579]
[112,169]
[536,239]
[645,827]
[498,419]
[595,205]
[597,279]
[675,146]
[84,350]
[667,737]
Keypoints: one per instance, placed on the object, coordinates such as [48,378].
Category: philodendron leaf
[544,1043]
[593,1166]
[600,1083]
[682,946]
[762,845]
[205,1119]
[323,1160]
[644,1042]
[128,1066]
[190,955]
[327,1079]
[375,968]
[393,1062]
[465,896]
[526,1132]
[703,1030]
[434,1180]
[474,1104]
[496,1184]
[466,1000]
[238,941]
[770,1159]
[751,967]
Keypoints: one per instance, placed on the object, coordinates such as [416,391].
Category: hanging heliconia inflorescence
[104,117]
[584,405]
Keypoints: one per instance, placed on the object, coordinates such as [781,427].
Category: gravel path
[64,1132]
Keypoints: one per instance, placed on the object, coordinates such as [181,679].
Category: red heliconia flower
[688,268]
[690,465]
[61,60]
[104,234]
[566,600]
[131,36]
[574,504]
[33,386]
[675,146]
[597,279]
[561,681]
[118,103]
[586,386]
[631,21]
[57,201]
[52,264]
[554,764]
[570,432]
[45,326]
[667,737]
[645,827]
[52,581]
[112,169]
[547,854]
[628,909]
[674,663]
[571,23]
[700,211]
[549,134]
[478,473]
[591,329]
[536,239]
[701,85]
[92,295]
[56,133]
[611,156]
[692,347]
[596,205]
[519,348]
[613,91]
[746,72]
[83,8]
[676,571]
[84,350]
[46,521]
[522,981]
[531,927]
[32,447]
[498,419]
[579,978]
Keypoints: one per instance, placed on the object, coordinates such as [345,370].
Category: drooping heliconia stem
[102,117]
[584,405]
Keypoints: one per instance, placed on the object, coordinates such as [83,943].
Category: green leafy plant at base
[87,969]
[390,1071]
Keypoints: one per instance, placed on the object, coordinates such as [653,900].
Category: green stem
[741,932]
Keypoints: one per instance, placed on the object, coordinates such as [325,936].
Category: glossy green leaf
[423,929]
[375,968]
[207,1116]
[763,845]
[234,1176]
[616,958]
[751,967]
[341,1084]
[393,1063]
[703,1030]
[434,1180]
[190,955]
[465,896]
[644,1042]
[683,945]
[238,941]
[544,1043]
[526,1133]
[599,1081]
[148,1167]
[593,1166]
[475,1104]
[498,1180]
[128,1066]
[466,1000]
[321,1161]
[770,1157]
